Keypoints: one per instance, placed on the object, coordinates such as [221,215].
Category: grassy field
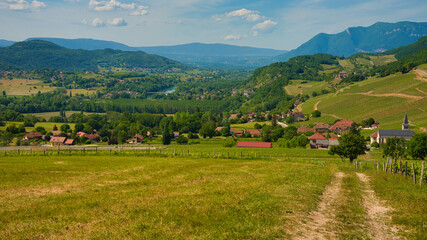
[249,125]
[47,115]
[297,87]
[20,87]
[155,198]
[47,125]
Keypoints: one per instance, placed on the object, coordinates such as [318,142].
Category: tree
[207,130]
[394,147]
[65,127]
[55,128]
[266,134]
[350,146]
[417,146]
[316,114]
[122,137]
[79,127]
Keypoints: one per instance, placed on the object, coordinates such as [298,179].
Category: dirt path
[299,107]
[421,91]
[401,95]
[420,75]
[341,90]
[316,228]
[316,105]
[378,221]
[333,115]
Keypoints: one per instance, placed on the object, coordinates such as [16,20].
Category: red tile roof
[374,135]
[140,137]
[69,142]
[33,135]
[254,144]
[317,136]
[56,133]
[219,129]
[253,132]
[58,139]
[93,136]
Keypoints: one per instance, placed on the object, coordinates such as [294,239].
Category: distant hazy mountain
[38,54]
[376,38]
[86,44]
[5,43]
[196,54]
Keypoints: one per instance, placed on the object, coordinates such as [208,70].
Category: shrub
[182,140]
[316,114]
[375,145]
[230,142]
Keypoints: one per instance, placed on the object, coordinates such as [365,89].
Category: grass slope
[385,99]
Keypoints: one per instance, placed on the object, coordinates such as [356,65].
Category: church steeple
[405,124]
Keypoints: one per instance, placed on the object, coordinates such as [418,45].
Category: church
[381,135]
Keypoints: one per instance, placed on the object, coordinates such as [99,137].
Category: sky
[278,24]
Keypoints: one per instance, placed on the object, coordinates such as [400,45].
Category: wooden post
[201,154]
[422,174]
[378,166]
[110,151]
[406,169]
[384,169]
[19,152]
[214,153]
[174,152]
[228,154]
[400,165]
[96,150]
[188,152]
[413,174]
[44,152]
[58,150]
[255,155]
[241,154]
[84,150]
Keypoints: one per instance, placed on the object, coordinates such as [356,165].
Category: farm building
[342,126]
[253,144]
[318,141]
[32,135]
[253,132]
[57,141]
[136,139]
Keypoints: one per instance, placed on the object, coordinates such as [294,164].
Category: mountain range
[39,54]
[379,37]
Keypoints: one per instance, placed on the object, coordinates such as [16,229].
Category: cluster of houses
[239,133]
[297,116]
[58,139]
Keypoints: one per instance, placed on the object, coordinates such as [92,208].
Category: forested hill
[269,81]
[38,54]
[373,39]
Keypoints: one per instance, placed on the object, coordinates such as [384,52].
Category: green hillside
[385,99]
[39,54]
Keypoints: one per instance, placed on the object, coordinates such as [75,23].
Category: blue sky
[279,24]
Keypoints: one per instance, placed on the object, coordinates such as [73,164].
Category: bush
[316,114]
[375,145]
[182,140]
[88,142]
[113,141]
[230,142]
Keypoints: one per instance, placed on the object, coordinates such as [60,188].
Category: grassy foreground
[120,197]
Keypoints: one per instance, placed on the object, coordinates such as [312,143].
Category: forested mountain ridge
[373,39]
[38,54]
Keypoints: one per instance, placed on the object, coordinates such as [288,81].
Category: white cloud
[248,15]
[118,22]
[142,10]
[245,14]
[233,37]
[266,25]
[98,23]
[84,22]
[22,5]
[110,5]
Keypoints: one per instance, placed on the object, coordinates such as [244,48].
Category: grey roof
[396,133]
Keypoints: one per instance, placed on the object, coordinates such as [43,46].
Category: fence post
[214,153]
[422,174]
[241,154]
[400,165]
[174,151]
[255,155]
[188,152]
[406,169]
[384,169]
[19,152]
[357,165]
[228,154]
[413,174]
